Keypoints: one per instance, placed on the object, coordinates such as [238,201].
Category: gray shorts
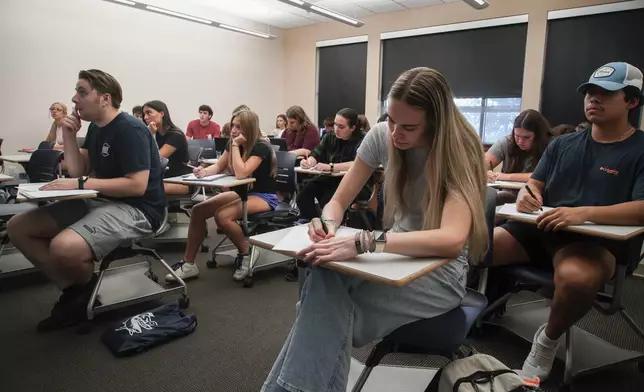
[104,224]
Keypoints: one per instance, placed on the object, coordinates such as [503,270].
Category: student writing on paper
[594,175]
[435,184]
[519,152]
[302,136]
[336,152]
[248,155]
[171,142]
[63,239]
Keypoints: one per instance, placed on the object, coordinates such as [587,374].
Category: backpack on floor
[148,329]
[478,373]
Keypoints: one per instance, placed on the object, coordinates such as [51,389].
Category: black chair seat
[9,210]
[441,334]
[539,275]
[282,210]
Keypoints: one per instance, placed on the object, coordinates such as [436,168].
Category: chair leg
[251,266]
[362,379]
[632,323]
[569,358]
[92,299]
[492,308]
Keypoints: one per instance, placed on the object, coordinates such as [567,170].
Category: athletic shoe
[184,270]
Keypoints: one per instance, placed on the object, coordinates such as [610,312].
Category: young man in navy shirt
[594,175]
[120,160]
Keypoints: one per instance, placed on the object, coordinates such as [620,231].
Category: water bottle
[210,136]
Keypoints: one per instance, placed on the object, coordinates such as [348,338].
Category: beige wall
[300,49]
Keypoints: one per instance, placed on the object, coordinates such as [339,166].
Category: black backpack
[148,329]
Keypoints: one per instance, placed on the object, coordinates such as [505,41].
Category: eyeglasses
[55,109]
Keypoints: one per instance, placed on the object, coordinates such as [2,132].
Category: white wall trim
[342,41]
[596,9]
[477,24]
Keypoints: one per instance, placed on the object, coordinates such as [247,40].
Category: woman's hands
[332,249]
[201,172]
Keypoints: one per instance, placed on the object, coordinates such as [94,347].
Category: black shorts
[541,246]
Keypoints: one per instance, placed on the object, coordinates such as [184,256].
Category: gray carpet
[239,334]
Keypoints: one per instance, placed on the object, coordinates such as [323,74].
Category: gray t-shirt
[373,152]
[501,149]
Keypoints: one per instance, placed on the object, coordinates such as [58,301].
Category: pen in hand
[319,211]
[527,188]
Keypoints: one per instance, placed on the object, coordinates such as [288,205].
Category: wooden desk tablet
[387,268]
[613,232]
[21,158]
[223,182]
[507,185]
[302,170]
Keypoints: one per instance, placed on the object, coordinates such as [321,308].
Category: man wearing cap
[595,175]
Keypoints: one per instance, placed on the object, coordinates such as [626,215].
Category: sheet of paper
[35,194]
[191,177]
[298,238]
[608,231]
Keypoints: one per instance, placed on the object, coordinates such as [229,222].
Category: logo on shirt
[604,72]
[613,172]
[105,151]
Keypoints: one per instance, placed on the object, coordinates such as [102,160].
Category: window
[492,118]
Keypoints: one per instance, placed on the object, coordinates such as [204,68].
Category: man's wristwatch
[381,241]
[81,181]
[331,165]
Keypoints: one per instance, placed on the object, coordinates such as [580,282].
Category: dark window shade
[578,46]
[484,62]
[342,79]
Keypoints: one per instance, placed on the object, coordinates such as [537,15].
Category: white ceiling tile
[418,3]
[380,6]
[345,7]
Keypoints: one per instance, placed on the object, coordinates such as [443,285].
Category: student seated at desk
[249,156]
[594,175]
[519,152]
[63,239]
[336,152]
[172,144]
[435,196]
[302,136]
[58,112]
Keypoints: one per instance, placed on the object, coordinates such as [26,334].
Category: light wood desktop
[507,185]
[387,268]
[613,232]
[224,182]
[31,192]
[312,172]
[21,158]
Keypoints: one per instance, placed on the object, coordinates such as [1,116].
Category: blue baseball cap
[614,77]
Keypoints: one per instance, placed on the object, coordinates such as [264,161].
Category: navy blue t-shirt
[578,171]
[126,146]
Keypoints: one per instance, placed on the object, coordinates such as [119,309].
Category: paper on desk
[31,191]
[511,210]
[298,238]
[191,177]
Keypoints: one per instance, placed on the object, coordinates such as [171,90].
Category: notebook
[191,177]
[32,191]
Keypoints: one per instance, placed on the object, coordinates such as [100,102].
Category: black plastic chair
[277,141]
[441,335]
[46,145]
[220,144]
[194,154]
[44,165]
[283,216]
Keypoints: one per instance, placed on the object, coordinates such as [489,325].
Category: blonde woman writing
[435,187]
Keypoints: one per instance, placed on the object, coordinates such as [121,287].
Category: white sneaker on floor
[244,268]
[541,357]
[184,270]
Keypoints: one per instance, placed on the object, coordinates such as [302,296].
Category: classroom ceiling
[284,16]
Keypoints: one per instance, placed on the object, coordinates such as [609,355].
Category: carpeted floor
[239,334]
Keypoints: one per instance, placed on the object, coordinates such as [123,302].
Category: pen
[190,166]
[491,167]
[319,210]
[527,188]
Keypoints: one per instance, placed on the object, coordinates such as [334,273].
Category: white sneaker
[244,268]
[541,357]
[184,270]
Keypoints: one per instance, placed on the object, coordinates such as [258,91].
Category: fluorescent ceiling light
[178,14]
[240,30]
[478,4]
[324,12]
[151,8]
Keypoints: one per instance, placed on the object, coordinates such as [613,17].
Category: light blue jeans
[337,312]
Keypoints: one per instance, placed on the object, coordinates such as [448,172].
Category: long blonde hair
[454,164]
[51,136]
[249,122]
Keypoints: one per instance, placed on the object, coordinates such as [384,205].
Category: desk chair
[46,145]
[284,215]
[279,142]
[441,335]
[583,351]
[220,144]
[134,283]
[205,143]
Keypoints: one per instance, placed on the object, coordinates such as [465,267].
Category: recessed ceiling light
[324,12]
